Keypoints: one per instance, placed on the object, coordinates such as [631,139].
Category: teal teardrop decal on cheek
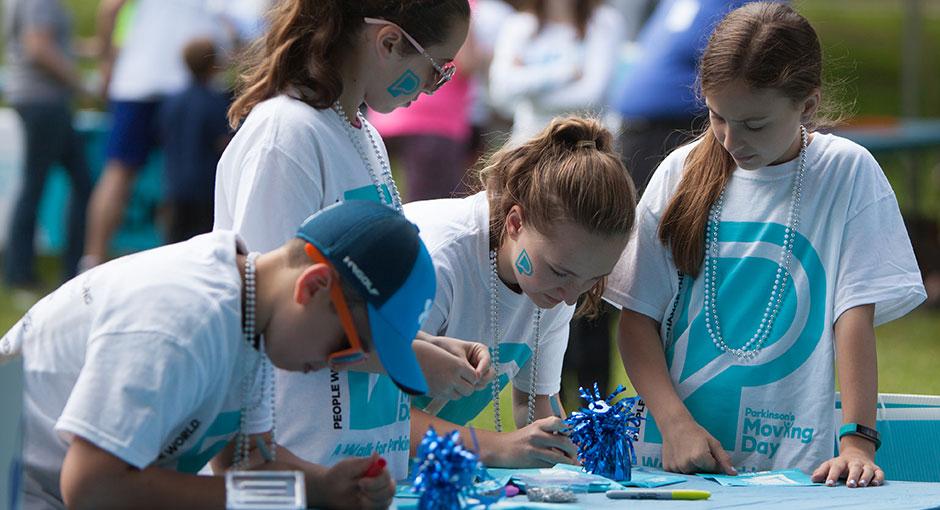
[406,84]
[524,264]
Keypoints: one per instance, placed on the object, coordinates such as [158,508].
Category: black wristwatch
[854,429]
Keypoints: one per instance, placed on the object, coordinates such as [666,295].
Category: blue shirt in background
[660,84]
[193,129]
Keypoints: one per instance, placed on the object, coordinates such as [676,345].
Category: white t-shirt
[286,162]
[561,74]
[456,232]
[144,357]
[851,249]
[150,62]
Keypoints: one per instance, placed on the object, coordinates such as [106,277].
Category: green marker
[658,494]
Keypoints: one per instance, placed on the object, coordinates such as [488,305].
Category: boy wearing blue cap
[140,371]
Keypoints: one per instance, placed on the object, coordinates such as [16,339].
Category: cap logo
[361,275]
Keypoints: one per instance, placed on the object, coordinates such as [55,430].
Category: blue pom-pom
[605,431]
[446,472]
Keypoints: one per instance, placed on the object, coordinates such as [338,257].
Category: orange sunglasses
[354,353]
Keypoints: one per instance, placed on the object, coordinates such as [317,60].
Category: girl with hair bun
[764,250]
[302,145]
[512,261]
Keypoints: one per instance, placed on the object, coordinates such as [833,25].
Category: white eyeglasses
[444,72]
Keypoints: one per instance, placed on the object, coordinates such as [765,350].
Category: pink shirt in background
[446,113]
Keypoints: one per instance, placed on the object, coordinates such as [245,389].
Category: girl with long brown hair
[764,249]
[512,262]
[302,145]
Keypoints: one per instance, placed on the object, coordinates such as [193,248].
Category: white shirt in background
[149,63]
[538,75]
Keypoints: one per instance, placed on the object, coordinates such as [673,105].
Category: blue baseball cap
[377,252]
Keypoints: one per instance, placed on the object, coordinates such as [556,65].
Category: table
[893,495]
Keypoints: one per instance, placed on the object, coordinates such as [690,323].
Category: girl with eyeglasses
[302,145]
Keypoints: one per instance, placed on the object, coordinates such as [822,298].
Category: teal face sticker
[524,264]
[406,84]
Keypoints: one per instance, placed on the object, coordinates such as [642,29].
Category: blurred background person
[147,68]
[656,97]
[42,79]
[194,132]
[487,123]
[556,57]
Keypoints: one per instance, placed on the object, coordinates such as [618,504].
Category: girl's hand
[689,448]
[453,368]
[538,444]
[855,464]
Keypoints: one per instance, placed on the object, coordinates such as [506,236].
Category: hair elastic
[586,143]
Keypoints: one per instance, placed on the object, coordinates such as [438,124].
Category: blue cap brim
[396,354]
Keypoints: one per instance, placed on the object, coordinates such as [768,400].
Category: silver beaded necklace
[243,446]
[752,347]
[494,351]
[386,169]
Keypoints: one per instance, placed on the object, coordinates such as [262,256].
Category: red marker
[375,468]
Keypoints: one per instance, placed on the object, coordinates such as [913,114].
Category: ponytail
[569,172]
[682,227]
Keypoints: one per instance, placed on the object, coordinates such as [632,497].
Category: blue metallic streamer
[446,474]
[605,432]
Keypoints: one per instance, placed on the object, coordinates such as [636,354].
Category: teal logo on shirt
[219,433]
[710,381]
[369,193]
[375,405]
[467,408]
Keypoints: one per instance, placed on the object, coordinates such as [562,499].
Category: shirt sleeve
[116,401]
[275,195]
[436,323]
[877,264]
[644,279]
[552,346]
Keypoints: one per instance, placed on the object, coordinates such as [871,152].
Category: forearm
[520,408]
[314,474]
[42,50]
[488,441]
[104,27]
[857,362]
[642,353]
[94,479]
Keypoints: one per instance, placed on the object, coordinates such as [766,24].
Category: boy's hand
[689,448]
[453,368]
[855,463]
[345,486]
